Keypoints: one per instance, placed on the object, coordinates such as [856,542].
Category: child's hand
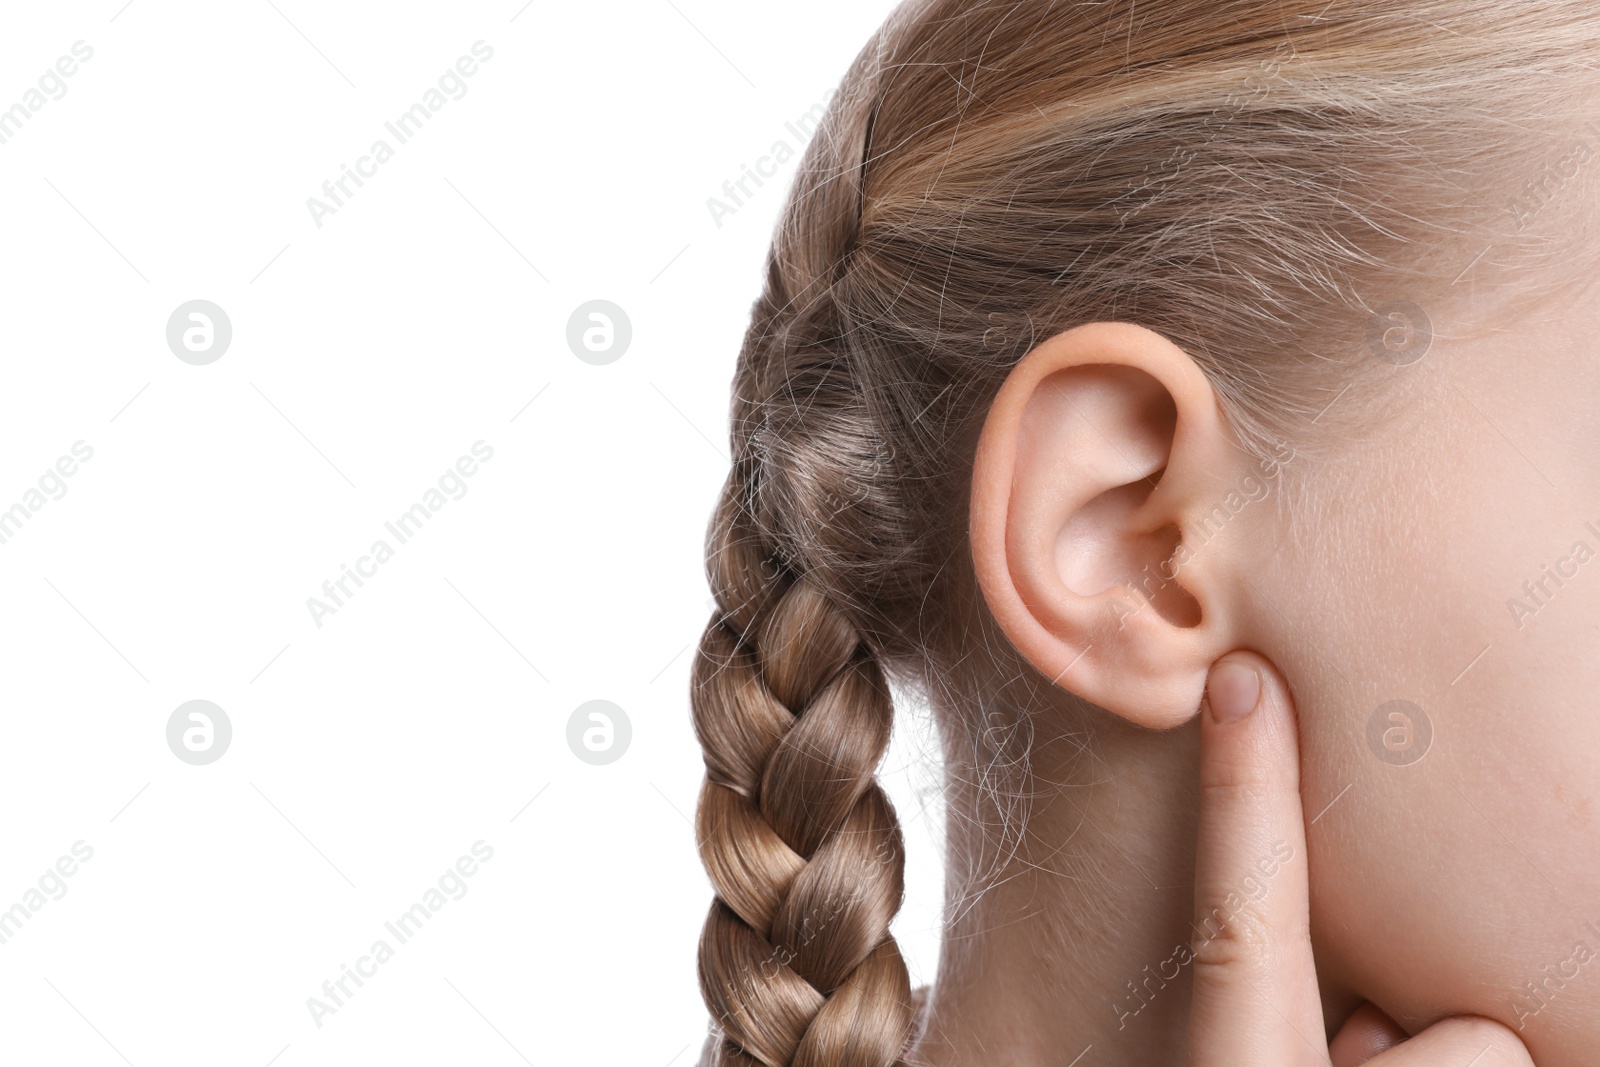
[1255,987]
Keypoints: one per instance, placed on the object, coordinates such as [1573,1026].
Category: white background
[429,712]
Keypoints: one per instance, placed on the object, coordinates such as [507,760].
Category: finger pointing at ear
[1255,986]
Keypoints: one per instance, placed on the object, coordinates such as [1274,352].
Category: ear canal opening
[1161,588]
[1157,583]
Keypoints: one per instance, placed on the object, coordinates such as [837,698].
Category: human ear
[1103,449]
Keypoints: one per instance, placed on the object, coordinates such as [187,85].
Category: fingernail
[1233,690]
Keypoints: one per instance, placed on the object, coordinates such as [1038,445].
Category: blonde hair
[1276,185]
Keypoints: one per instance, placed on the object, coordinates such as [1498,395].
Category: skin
[1435,888]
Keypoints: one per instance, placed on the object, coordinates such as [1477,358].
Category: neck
[1075,937]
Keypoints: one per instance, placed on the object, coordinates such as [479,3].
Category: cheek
[1462,883]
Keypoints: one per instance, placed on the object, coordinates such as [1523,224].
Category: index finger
[1255,986]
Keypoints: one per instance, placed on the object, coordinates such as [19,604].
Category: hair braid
[797,964]
[790,703]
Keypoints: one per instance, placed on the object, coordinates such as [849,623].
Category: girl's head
[1097,340]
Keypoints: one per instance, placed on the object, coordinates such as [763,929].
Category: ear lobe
[1101,447]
